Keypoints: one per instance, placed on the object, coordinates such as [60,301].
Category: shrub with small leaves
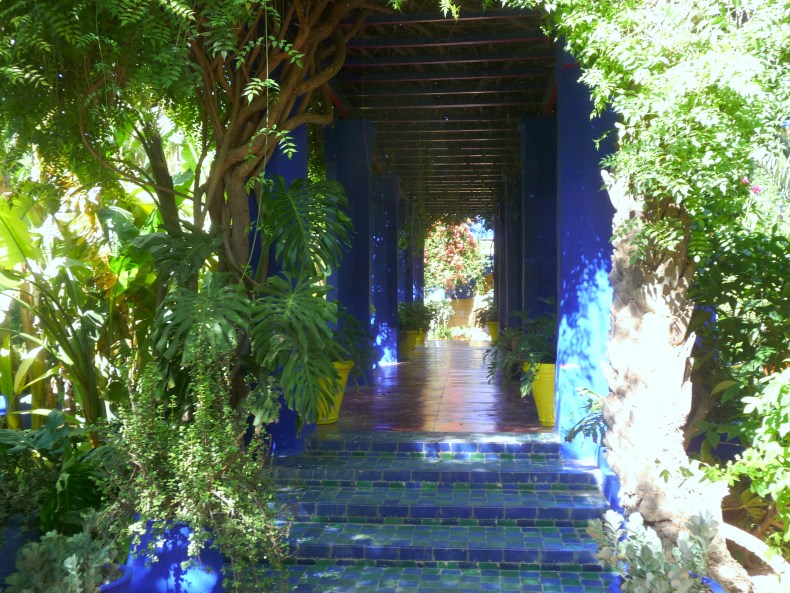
[634,551]
[60,564]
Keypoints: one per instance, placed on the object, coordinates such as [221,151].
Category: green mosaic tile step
[495,506]
[310,471]
[431,444]
[374,579]
[431,545]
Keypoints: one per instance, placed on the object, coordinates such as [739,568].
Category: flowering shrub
[452,256]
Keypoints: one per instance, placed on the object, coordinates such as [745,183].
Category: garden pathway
[435,481]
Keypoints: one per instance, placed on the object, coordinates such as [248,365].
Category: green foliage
[634,551]
[353,342]
[452,256]
[306,224]
[199,471]
[489,311]
[60,564]
[415,315]
[292,340]
[53,473]
[592,424]
[531,343]
[765,464]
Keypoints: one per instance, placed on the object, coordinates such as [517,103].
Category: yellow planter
[420,338]
[543,392]
[493,329]
[406,343]
[329,415]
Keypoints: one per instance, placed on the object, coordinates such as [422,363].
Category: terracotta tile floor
[443,388]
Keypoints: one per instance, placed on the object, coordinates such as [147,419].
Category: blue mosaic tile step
[432,444]
[489,506]
[314,471]
[375,579]
[530,548]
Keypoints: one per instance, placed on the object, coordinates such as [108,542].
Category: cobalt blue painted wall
[285,437]
[514,255]
[348,149]
[539,213]
[584,227]
[384,251]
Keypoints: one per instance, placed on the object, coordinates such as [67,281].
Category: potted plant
[199,489]
[413,317]
[487,316]
[531,349]
[635,553]
[354,357]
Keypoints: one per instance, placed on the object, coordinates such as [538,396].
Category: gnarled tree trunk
[650,397]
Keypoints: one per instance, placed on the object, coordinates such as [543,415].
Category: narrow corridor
[443,388]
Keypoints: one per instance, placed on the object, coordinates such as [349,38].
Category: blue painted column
[384,253]
[284,434]
[513,249]
[584,227]
[348,148]
[500,263]
[404,255]
[539,213]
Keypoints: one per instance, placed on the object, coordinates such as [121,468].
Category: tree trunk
[650,397]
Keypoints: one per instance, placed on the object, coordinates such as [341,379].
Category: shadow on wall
[581,348]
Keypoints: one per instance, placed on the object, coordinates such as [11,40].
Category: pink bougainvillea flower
[756,190]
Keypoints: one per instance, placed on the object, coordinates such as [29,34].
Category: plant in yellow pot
[531,349]
[354,358]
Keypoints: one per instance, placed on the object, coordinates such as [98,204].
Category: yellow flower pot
[543,392]
[329,415]
[406,343]
[493,329]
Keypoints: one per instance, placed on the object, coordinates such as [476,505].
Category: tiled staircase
[400,512]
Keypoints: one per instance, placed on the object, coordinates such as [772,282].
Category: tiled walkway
[435,481]
[443,388]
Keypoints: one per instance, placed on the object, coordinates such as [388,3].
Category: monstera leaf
[188,321]
[306,224]
[292,339]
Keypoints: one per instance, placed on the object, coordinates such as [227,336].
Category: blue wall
[584,227]
[348,149]
[539,213]
[384,250]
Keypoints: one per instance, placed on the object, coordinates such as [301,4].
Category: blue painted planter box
[167,575]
